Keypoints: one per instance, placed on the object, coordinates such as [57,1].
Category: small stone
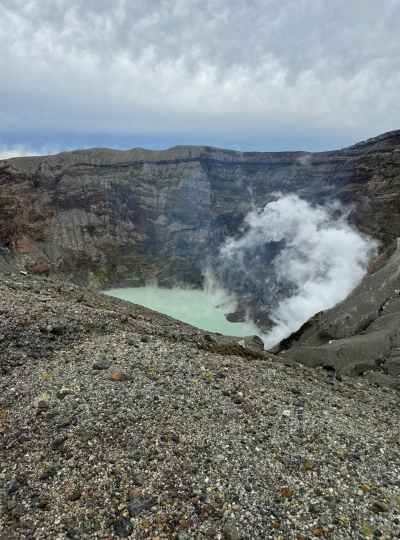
[145,339]
[242,344]
[135,508]
[63,392]
[58,330]
[137,482]
[197,415]
[318,533]
[133,315]
[238,400]
[285,462]
[101,365]
[286,492]
[95,372]
[365,488]
[230,532]
[87,437]
[43,404]
[383,507]
[211,531]
[309,465]
[127,377]
[64,422]
[89,321]
[76,494]
[55,445]
[47,473]
[123,527]
[367,529]
[301,537]
[133,455]
[135,494]
[116,376]
[11,504]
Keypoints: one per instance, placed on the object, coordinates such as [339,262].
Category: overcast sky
[243,74]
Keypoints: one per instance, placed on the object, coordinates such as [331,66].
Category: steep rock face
[109,217]
[360,334]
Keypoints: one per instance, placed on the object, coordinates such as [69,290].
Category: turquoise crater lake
[194,307]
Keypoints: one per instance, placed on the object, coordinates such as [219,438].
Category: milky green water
[194,307]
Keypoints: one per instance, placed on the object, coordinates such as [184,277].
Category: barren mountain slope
[119,422]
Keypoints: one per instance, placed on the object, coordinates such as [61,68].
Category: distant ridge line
[379,138]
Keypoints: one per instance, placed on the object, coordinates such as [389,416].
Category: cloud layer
[238,70]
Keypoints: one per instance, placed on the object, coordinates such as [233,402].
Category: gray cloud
[243,69]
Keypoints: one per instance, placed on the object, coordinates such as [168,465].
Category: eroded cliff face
[108,217]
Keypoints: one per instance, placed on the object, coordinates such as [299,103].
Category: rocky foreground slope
[106,217]
[120,422]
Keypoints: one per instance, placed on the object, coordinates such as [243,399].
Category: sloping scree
[193,444]
[359,334]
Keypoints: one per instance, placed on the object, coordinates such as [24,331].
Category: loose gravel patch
[120,422]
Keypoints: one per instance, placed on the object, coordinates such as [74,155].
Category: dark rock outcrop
[117,218]
[360,335]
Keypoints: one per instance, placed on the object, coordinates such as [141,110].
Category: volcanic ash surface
[120,422]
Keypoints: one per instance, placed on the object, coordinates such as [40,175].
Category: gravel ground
[119,422]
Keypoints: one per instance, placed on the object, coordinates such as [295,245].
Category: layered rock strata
[108,217]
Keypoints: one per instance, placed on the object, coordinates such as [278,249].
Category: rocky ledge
[120,422]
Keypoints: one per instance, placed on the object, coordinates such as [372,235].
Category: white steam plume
[321,259]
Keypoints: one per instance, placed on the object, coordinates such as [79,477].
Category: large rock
[359,334]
